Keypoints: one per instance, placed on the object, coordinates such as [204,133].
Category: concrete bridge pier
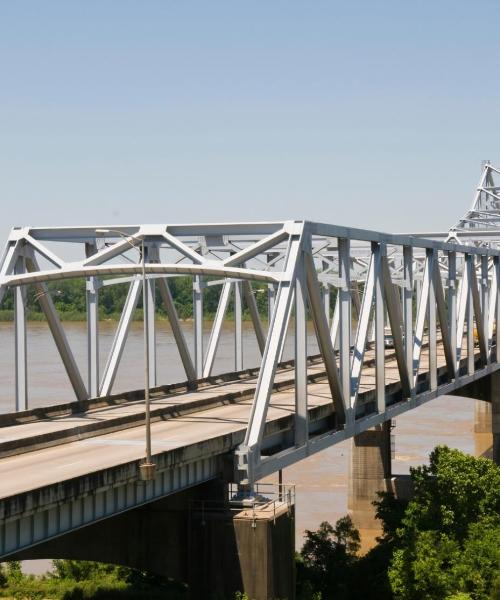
[370,472]
[194,536]
[495,415]
[483,440]
[486,392]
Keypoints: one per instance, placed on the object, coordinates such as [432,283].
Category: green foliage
[449,539]
[325,559]
[390,511]
[69,298]
[82,580]
[495,591]
[442,545]
[81,570]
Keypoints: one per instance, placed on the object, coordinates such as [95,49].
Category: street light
[147,467]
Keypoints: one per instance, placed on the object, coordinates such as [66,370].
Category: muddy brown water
[321,481]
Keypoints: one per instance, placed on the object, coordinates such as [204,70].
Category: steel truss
[355,286]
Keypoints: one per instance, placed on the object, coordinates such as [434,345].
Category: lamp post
[147,467]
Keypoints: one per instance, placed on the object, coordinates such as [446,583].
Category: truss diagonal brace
[324,339]
[362,330]
[249,452]
[443,321]
[213,342]
[120,337]
[254,314]
[477,311]
[58,333]
[396,322]
[177,332]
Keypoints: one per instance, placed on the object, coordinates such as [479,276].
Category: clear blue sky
[373,114]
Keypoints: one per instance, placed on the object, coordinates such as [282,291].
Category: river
[321,480]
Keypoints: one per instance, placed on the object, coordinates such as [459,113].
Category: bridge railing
[430,307]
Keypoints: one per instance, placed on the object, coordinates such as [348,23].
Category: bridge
[133,477]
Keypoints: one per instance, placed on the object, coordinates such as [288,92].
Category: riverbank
[76,316]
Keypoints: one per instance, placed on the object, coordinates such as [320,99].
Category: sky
[368,114]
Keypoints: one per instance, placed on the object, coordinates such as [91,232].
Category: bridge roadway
[61,469]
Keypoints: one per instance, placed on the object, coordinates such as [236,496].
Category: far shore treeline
[69,297]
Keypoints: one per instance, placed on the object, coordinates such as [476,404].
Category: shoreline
[7,316]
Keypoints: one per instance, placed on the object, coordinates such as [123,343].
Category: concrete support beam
[482,417]
[482,428]
[196,537]
[495,415]
[250,551]
[370,472]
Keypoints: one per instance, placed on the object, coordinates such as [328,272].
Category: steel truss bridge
[437,288]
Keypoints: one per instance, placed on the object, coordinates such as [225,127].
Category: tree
[449,539]
[326,556]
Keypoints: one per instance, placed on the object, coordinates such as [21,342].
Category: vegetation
[449,539]
[442,545]
[69,297]
[79,580]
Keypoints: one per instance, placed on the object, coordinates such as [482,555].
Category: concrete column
[195,536]
[249,550]
[495,415]
[482,428]
[370,472]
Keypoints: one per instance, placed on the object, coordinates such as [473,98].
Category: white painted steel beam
[277,330]
[58,334]
[340,401]
[254,315]
[21,354]
[362,332]
[238,327]
[345,321]
[215,333]
[120,338]
[393,306]
[92,304]
[198,324]
[180,340]
[301,427]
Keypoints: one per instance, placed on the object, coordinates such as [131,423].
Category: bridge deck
[179,419]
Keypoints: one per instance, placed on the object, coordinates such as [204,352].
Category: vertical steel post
[198,324]
[145,302]
[238,327]
[149,296]
[452,303]
[271,293]
[301,413]
[147,468]
[485,300]
[345,316]
[496,266]
[92,301]
[432,323]
[408,308]
[21,361]
[470,315]
[379,320]
[418,292]
[326,296]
